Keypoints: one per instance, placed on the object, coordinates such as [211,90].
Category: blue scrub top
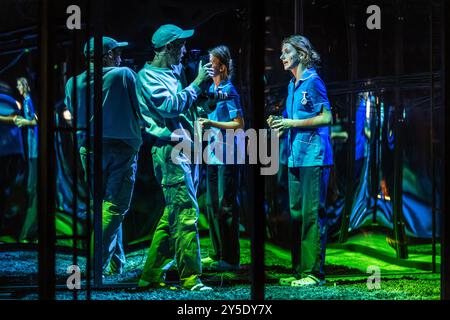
[226,111]
[308,147]
[10,135]
[31,131]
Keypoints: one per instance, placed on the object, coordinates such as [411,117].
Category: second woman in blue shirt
[222,173]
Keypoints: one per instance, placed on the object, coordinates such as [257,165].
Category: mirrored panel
[20,111]
[356,199]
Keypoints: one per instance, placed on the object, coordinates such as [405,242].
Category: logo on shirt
[304,101]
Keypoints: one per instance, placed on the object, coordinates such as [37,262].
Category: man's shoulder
[149,74]
[79,77]
[122,71]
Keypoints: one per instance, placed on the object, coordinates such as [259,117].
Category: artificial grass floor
[346,266]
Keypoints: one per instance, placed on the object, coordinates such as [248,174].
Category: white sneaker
[287,281]
[201,287]
[307,282]
[208,260]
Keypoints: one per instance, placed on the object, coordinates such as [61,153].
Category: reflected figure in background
[167,110]
[29,121]
[222,175]
[11,165]
[309,159]
[121,142]
[362,136]
[339,137]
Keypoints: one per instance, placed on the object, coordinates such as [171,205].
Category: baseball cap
[168,33]
[108,44]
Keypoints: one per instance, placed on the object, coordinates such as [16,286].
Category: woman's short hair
[302,44]
[223,54]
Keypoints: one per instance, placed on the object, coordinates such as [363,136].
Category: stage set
[350,114]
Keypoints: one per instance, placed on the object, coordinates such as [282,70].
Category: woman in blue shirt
[29,121]
[222,170]
[307,125]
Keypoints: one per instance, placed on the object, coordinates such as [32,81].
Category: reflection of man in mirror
[121,140]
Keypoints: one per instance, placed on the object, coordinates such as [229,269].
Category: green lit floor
[364,250]
[346,274]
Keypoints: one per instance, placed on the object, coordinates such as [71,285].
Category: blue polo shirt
[31,131]
[226,111]
[10,135]
[308,147]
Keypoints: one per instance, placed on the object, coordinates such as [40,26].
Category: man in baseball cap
[168,109]
[121,140]
[168,33]
[109,44]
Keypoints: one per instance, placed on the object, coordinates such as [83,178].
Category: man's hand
[204,73]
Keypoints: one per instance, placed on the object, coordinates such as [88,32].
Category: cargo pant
[176,235]
[223,215]
[307,197]
[119,166]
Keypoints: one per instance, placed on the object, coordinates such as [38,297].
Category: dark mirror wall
[19,125]
[215,24]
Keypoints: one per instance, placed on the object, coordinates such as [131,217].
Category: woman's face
[20,88]
[289,57]
[216,65]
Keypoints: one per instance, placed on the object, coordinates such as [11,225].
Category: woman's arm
[236,123]
[341,135]
[22,122]
[322,120]
[8,119]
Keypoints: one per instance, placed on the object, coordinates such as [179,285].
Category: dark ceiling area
[325,23]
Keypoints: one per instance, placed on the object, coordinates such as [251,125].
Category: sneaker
[287,281]
[308,281]
[200,287]
[207,261]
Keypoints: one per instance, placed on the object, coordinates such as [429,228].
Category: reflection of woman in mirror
[29,121]
[11,163]
[309,159]
[222,176]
